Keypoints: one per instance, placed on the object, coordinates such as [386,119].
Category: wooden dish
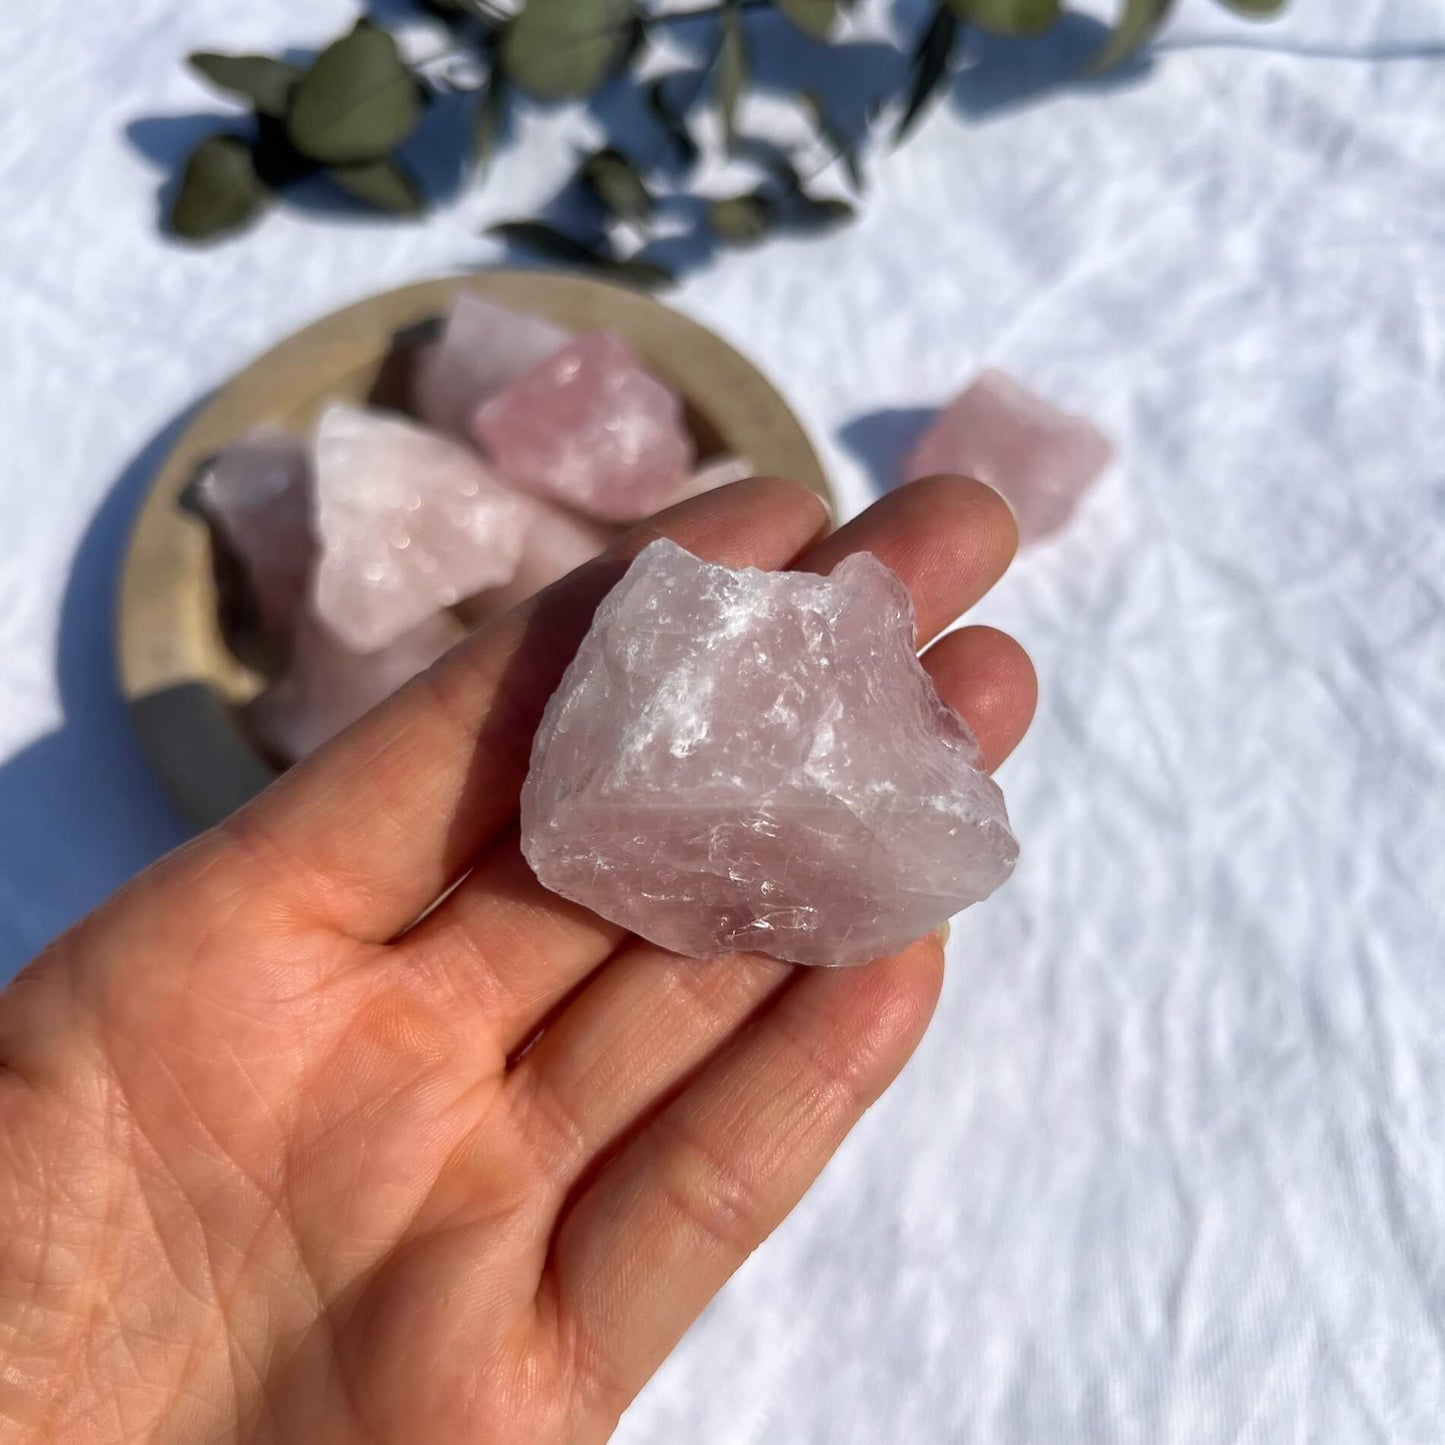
[183,684]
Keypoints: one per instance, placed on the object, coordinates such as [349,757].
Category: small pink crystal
[257,493]
[756,760]
[483,348]
[327,686]
[589,428]
[408,523]
[557,542]
[719,472]
[1040,458]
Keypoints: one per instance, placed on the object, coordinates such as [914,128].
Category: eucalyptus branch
[346,114]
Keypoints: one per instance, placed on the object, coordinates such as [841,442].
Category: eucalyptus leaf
[641,275]
[357,103]
[672,120]
[824,212]
[558,49]
[929,68]
[487,122]
[558,246]
[812,17]
[219,191]
[262,81]
[1010,17]
[733,66]
[1255,9]
[385,184]
[1137,23]
[546,241]
[836,141]
[615,181]
[743,220]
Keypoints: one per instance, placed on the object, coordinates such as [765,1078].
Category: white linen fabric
[1170,1166]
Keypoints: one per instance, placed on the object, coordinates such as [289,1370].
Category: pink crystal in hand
[327,686]
[756,760]
[257,494]
[1040,458]
[589,428]
[483,348]
[408,523]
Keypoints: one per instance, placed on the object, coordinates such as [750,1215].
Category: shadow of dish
[81,806]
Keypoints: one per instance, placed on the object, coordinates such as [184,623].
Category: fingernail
[943,930]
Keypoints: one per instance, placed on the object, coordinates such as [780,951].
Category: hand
[279,1163]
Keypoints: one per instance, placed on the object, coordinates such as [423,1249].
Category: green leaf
[558,49]
[1009,17]
[384,184]
[824,212]
[1138,22]
[558,246]
[672,120]
[732,73]
[358,102]
[640,275]
[743,220]
[219,191]
[1255,9]
[929,68]
[812,17]
[615,181]
[487,121]
[836,141]
[265,83]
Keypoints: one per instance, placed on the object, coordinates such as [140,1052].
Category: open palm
[280,1162]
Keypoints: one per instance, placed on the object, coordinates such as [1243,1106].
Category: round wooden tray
[183,684]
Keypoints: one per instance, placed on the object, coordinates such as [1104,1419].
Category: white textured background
[1171,1165]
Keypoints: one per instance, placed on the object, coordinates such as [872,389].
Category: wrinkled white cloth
[1170,1166]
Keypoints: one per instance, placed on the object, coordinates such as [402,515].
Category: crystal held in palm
[747,760]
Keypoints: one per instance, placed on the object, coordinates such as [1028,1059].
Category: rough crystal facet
[408,522]
[257,494]
[483,348]
[757,760]
[327,686]
[589,428]
[1040,458]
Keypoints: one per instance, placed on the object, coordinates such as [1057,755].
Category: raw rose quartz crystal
[483,348]
[257,495]
[756,760]
[1040,458]
[327,686]
[408,522]
[589,428]
[719,472]
[556,542]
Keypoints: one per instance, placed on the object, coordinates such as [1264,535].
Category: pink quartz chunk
[327,686]
[408,523]
[747,760]
[557,542]
[590,429]
[257,494]
[718,472]
[483,348]
[1041,459]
